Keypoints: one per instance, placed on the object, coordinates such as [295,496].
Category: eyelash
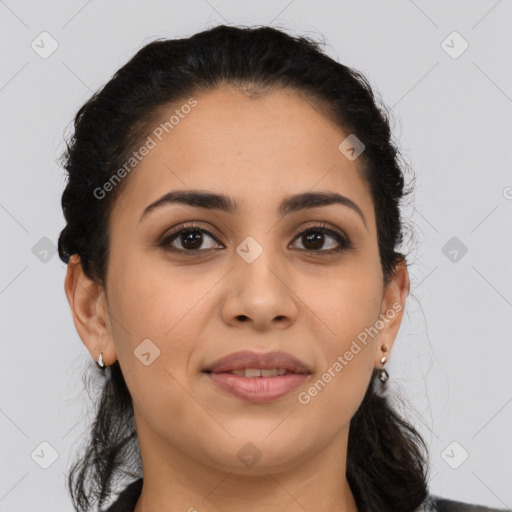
[343,241]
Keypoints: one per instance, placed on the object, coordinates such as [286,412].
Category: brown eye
[189,239]
[314,239]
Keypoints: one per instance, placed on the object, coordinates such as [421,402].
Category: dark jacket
[128,498]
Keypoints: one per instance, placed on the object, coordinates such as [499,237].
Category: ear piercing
[383,374]
[100,362]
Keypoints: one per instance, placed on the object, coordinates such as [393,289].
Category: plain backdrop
[443,69]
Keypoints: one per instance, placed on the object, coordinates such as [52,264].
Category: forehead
[253,148]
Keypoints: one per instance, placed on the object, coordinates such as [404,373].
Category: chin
[256,452]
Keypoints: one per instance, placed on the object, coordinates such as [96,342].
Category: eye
[314,237]
[190,238]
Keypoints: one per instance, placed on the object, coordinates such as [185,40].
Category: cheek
[170,311]
[347,354]
[169,307]
[151,300]
[346,305]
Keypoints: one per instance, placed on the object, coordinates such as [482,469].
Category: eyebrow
[213,201]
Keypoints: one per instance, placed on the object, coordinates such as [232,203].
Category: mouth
[257,377]
[252,364]
[260,372]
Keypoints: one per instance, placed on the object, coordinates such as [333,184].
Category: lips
[257,377]
[247,361]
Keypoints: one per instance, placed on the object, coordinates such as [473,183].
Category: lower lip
[258,389]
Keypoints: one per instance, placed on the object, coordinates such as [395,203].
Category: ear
[87,300]
[393,305]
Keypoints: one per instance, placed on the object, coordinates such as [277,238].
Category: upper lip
[248,359]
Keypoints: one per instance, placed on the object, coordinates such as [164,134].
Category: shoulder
[435,503]
[127,499]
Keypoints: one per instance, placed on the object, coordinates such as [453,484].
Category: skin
[313,306]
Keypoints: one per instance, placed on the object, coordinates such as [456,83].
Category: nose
[260,294]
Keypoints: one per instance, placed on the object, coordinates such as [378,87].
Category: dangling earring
[100,362]
[383,374]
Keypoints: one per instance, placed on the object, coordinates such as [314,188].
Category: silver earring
[383,374]
[100,362]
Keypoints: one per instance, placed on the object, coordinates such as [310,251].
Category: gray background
[452,116]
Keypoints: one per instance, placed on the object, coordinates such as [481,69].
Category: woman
[232,224]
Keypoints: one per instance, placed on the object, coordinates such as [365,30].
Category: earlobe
[87,302]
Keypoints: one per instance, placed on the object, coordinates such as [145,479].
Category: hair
[387,458]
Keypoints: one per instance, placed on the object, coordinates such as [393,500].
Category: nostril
[242,318]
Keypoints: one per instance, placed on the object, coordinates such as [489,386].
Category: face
[304,280]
